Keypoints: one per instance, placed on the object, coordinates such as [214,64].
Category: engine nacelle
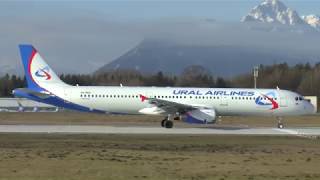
[201,116]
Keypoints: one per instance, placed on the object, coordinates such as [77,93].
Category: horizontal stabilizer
[42,94]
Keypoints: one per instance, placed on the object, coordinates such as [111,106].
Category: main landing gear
[167,123]
[280,123]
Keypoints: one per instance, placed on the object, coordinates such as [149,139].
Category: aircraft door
[224,101]
[67,94]
[283,100]
[150,94]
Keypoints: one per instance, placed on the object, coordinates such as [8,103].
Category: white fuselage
[226,102]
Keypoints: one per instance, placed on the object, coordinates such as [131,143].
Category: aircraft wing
[169,106]
[194,113]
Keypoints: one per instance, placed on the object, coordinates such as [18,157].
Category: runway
[92,129]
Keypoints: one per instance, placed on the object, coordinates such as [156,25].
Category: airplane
[194,105]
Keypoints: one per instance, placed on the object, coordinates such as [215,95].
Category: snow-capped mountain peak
[312,20]
[275,4]
[273,11]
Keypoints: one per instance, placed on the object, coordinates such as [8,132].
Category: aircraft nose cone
[309,108]
[314,110]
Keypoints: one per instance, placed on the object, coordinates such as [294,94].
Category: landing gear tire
[280,125]
[163,122]
[168,124]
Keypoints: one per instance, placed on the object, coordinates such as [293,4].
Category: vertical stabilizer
[38,73]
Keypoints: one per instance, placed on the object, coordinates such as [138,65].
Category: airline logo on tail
[43,73]
[268,100]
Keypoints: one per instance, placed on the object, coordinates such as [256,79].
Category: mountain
[152,56]
[312,20]
[276,34]
[273,11]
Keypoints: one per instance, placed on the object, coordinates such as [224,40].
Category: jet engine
[201,116]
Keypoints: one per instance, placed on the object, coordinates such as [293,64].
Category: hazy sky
[224,10]
[92,33]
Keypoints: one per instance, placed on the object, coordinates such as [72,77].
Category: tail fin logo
[44,73]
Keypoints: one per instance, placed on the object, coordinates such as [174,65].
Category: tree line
[302,78]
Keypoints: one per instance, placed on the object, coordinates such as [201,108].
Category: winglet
[143,98]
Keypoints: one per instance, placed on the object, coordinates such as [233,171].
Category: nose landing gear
[280,123]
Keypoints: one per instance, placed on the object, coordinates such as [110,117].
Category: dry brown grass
[157,157]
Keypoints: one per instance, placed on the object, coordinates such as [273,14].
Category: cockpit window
[300,98]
